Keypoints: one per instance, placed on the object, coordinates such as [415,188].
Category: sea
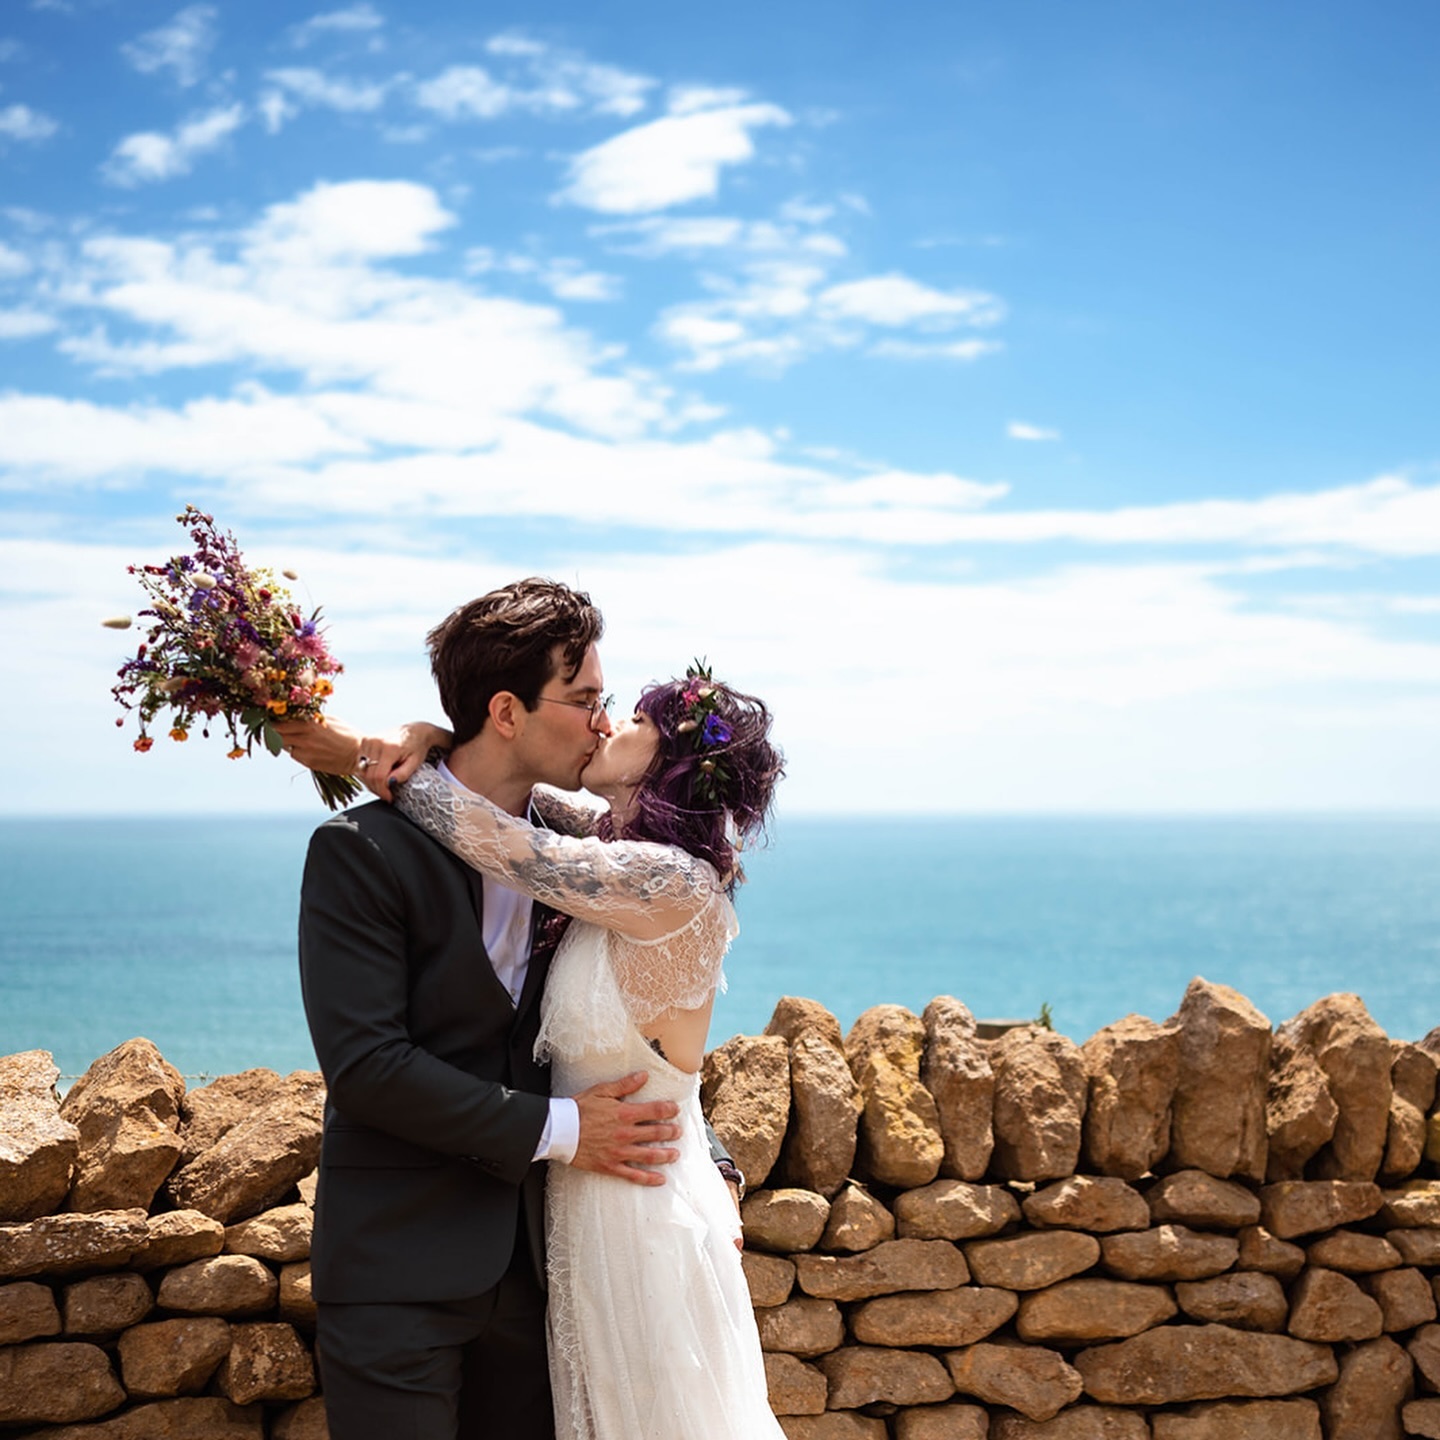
[183,929]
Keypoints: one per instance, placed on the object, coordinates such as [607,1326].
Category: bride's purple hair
[709,813]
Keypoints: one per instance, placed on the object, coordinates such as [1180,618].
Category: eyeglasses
[597,707]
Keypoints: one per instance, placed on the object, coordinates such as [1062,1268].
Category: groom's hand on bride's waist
[622,1137]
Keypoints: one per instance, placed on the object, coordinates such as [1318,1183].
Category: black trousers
[446,1370]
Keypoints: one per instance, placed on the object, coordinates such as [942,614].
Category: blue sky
[1036,403]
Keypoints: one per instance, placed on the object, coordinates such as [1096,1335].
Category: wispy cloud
[565,278]
[1019,430]
[354,19]
[670,161]
[20,122]
[331,92]
[149,156]
[182,46]
[897,301]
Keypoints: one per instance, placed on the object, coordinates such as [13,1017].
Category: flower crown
[708,731]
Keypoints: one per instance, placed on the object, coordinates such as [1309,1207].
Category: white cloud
[182,46]
[149,156]
[275,111]
[24,324]
[330,92]
[465,92]
[669,161]
[20,122]
[897,300]
[354,19]
[564,278]
[12,262]
[934,349]
[1019,430]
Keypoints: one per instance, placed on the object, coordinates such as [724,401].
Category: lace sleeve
[639,889]
[562,814]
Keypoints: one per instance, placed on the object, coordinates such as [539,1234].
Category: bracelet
[730,1171]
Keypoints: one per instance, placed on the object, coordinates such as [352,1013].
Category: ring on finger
[362,762]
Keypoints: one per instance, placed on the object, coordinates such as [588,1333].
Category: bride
[652,1335]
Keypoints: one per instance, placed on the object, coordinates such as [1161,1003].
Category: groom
[422,985]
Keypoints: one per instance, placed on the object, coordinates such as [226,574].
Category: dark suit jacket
[436,1103]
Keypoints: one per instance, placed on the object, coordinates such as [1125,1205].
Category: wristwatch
[730,1171]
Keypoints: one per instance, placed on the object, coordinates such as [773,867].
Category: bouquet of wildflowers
[226,643]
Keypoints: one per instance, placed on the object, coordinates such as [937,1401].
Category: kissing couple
[521,1230]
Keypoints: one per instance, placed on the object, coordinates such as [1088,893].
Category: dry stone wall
[1202,1229]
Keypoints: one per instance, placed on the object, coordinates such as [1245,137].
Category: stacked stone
[1196,1230]
[154,1245]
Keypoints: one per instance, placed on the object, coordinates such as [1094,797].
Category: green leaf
[273,743]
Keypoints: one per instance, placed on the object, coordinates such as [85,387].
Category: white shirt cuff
[560,1138]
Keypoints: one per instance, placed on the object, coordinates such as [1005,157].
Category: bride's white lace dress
[652,1335]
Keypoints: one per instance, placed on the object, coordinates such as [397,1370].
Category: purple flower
[716,731]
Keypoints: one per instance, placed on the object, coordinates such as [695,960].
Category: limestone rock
[177,1237]
[794,1387]
[899,1139]
[784,1220]
[266,1361]
[63,1244]
[770,1278]
[27,1312]
[1260,1250]
[942,1422]
[1174,1364]
[834,1425]
[281,1235]
[861,1375]
[858,1221]
[1168,1252]
[1040,1095]
[256,1162]
[38,1145]
[819,1151]
[57,1382]
[1412,1080]
[954,1210]
[1416,1247]
[228,1285]
[1413,1205]
[888,1269]
[1191,1197]
[1365,1402]
[1303,1207]
[305,1421]
[1424,1348]
[936,1318]
[189,1419]
[208,1112]
[803,1326]
[1244,1299]
[1099,1204]
[1241,1420]
[1354,1053]
[106,1304]
[1300,1112]
[1218,1121]
[1029,1378]
[745,1093]
[1132,1068]
[1404,1297]
[297,1304]
[955,1069]
[1080,1312]
[172,1357]
[1353,1253]
[126,1107]
[1331,1307]
[1079,1422]
[1421,1417]
[1031,1260]
[794,1017]
[307,1186]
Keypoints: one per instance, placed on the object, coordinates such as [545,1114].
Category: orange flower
[179,734]
[323,688]
[143,743]
[275,707]
[238,753]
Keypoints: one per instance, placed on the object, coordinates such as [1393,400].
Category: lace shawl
[669,920]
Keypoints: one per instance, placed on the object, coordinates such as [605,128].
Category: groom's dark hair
[506,641]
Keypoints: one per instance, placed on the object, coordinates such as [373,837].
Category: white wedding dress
[652,1335]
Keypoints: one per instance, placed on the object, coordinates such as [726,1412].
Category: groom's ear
[506,710]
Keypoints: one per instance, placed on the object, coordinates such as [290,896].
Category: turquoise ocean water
[183,930]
